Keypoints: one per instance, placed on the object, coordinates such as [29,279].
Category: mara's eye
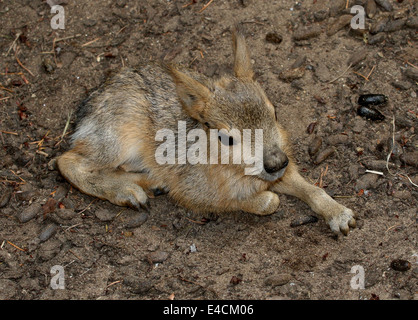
[225,139]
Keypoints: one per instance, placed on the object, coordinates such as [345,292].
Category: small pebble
[29,213]
[400,13]
[314,146]
[302,220]
[378,165]
[49,250]
[307,33]
[7,160]
[379,25]
[90,22]
[366,182]
[292,74]
[336,7]
[66,214]
[357,57]
[67,203]
[401,194]
[136,220]
[371,8]
[401,85]
[339,24]
[60,193]
[321,15]
[400,265]
[48,232]
[157,256]
[5,198]
[324,154]
[377,38]
[385,4]
[412,22]
[277,280]
[394,25]
[410,158]
[411,74]
[105,215]
[299,62]
[403,122]
[138,285]
[338,139]
[353,171]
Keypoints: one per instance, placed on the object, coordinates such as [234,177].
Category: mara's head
[236,105]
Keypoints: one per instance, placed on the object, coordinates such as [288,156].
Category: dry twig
[17,176]
[393,144]
[13,43]
[13,245]
[21,64]
[66,38]
[189,4]
[412,65]
[342,74]
[90,42]
[390,153]
[365,77]
[5,89]
[205,6]
[113,283]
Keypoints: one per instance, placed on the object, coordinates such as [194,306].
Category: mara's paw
[342,221]
[266,203]
[157,191]
[131,195]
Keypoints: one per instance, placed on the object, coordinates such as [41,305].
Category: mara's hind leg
[113,184]
[263,203]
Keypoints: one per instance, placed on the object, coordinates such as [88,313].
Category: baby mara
[114,146]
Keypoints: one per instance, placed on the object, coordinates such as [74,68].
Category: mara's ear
[242,61]
[193,95]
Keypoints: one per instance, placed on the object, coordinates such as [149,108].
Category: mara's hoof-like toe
[342,221]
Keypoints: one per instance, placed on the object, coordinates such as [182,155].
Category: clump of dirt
[313,66]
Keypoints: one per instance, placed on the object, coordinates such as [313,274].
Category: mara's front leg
[338,217]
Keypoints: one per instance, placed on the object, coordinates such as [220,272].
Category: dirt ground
[313,67]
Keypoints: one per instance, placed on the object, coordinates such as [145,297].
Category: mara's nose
[276,162]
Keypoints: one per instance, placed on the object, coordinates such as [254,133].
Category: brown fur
[114,146]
